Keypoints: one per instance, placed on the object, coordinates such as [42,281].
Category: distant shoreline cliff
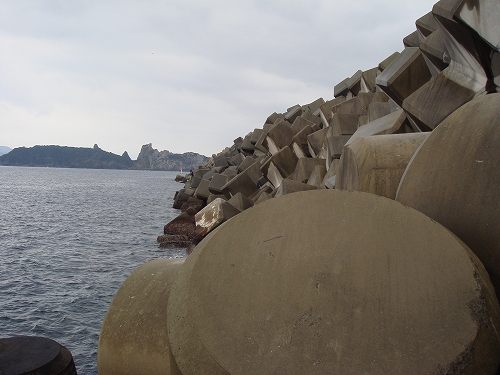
[96,158]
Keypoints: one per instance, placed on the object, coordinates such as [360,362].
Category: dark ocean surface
[68,240]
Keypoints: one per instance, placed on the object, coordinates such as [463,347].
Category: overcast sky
[183,75]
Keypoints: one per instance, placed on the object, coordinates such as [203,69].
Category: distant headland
[96,158]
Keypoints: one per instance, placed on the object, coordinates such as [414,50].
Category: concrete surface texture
[362,292]
[375,164]
[133,338]
[453,179]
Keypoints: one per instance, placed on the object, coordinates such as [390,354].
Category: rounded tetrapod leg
[189,352]
[375,164]
[373,287]
[31,355]
[454,179]
[133,337]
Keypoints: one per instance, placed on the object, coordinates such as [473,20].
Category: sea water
[68,240]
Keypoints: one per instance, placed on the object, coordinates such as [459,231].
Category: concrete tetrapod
[133,337]
[375,164]
[454,179]
[362,292]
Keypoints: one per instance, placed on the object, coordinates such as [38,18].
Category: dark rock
[174,241]
[182,224]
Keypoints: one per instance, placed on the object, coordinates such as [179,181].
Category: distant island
[96,158]
[4,150]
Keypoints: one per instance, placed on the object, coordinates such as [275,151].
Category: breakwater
[357,234]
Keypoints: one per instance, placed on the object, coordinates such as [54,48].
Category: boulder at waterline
[183,224]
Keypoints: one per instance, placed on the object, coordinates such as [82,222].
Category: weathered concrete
[241,183]
[465,48]
[299,142]
[426,25]
[256,135]
[335,146]
[368,80]
[180,198]
[317,176]
[344,124]
[182,224]
[300,123]
[200,172]
[377,110]
[209,174]
[454,179]
[285,161]
[354,83]
[273,117]
[341,89]
[254,172]
[305,167]
[293,112]
[314,119]
[217,183]
[390,124]
[248,161]
[279,136]
[240,202]
[202,191]
[375,164]
[315,141]
[247,144]
[237,159]
[169,241]
[385,63]
[330,176]
[411,40]
[134,334]
[326,110]
[274,175]
[213,197]
[442,95]
[292,186]
[191,202]
[32,355]
[259,145]
[214,214]
[434,52]
[407,73]
[221,161]
[313,106]
[270,299]
[482,16]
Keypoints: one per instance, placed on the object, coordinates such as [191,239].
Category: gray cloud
[184,75]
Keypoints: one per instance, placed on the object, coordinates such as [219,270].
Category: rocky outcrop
[66,157]
[150,158]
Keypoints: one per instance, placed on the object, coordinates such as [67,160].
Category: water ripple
[68,240]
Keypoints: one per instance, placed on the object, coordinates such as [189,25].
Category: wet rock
[183,224]
[169,241]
